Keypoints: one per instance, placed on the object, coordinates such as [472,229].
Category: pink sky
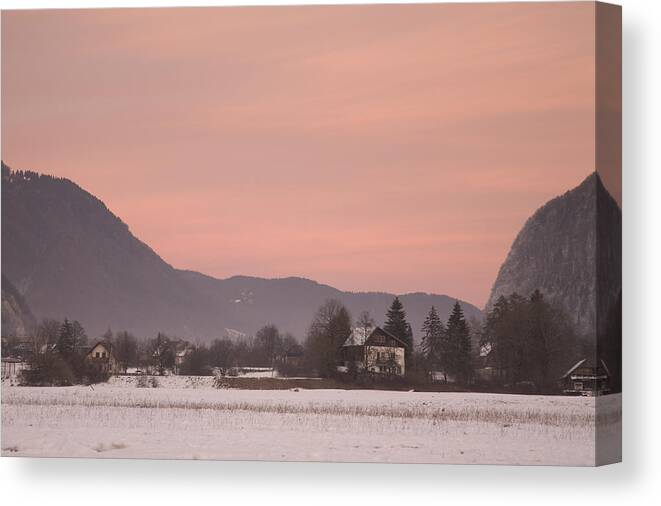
[396,148]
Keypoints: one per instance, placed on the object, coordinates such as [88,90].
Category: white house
[376,351]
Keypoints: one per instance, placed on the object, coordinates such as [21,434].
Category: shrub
[147,382]
[219,382]
[95,375]
[48,370]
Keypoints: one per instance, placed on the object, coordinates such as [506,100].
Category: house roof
[105,344]
[574,367]
[586,363]
[359,337]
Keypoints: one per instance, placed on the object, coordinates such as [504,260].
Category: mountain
[291,302]
[17,319]
[71,257]
[570,249]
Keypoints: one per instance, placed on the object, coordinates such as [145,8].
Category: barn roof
[588,364]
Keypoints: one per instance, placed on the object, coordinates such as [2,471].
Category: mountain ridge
[570,249]
[17,318]
[70,256]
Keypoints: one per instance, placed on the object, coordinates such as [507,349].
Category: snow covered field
[187,418]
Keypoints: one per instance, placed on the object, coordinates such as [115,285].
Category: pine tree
[108,336]
[458,359]
[433,332]
[66,343]
[79,336]
[397,325]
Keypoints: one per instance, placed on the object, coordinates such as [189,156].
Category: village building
[12,368]
[375,351]
[291,361]
[484,366]
[292,358]
[100,357]
[586,378]
[182,349]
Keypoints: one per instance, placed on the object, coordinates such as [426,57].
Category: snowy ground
[187,418]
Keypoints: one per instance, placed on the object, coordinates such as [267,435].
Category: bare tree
[126,349]
[366,324]
[47,333]
[329,329]
[269,341]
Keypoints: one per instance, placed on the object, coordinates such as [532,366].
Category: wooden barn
[586,378]
[375,351]
[101,357]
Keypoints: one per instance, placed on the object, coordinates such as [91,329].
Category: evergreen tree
[71,337]
[530,340]
[79,336]
[458,357]
[433,334]
[107,336]
[65,339]
[397,325]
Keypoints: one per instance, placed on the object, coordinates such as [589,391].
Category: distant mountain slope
[17,319]
[570,255]
[291,302]
[71,257]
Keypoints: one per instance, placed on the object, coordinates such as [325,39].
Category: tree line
[521,339]
[446,348]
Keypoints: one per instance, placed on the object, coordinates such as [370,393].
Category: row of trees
[160,352]
[57,352]
[530,340]
[523,339]
[266,349]
[447,348]
[57,355]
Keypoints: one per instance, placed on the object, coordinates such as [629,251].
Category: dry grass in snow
[327,425]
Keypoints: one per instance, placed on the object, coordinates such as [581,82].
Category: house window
[103,355]
[97,354]
[578,385]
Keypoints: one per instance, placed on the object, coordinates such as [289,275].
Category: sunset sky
[396,148]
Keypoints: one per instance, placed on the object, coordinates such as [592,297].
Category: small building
[586,378]
[441,377]
[293,357]
[100,356]
[12,368]
[291,361]
[182,349]
[485,370]
[375,351]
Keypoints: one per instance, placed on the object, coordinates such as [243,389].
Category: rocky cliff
[570,249]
